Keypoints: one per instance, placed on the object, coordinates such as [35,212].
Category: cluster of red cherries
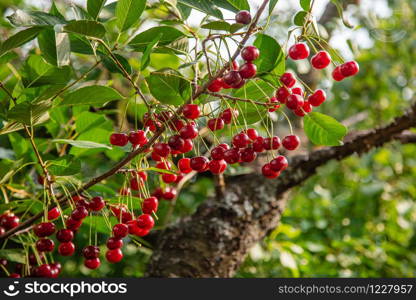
[8,220]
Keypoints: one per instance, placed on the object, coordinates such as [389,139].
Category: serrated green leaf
[145,61]
[168,87]
[113,67]
[94,7]
[217,25]
[64,166]
[82,144]
[324,130]
[128,12]
[21,18]
[92,95]
[169,35]
[305,4]
[300,18]
[206,6]
[27,112]
[86,27]
[272,5]
[20,38]
[271,53]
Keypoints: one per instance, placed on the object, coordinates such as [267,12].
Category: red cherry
[9,221]
[77,198]
[199,163]
[64,235]
[267,172]
[66,249]
[217,153]
[299,51]
[120,231]
[288,79]
[291,142]
[119,139]
[136,183]
[337,75]
[91,252]
[275,107]
[45,245]
[216,85]
[228,114]
[217,166]
[232,78]
[215,124]
[232,156]
[297,91]
[243,17]
[191,111]
[301,111]
[150,205]
[79,213]
[137,137]
[349,68]
[114,243]
[184,165]
[92,263]
[187,146]
[14,275]
[55,269]
[224,146]
[169,178]
[271,143]
[164,165]
[2,230]
[239,85]
[176,142]
[224,85]
[241,140]
[156,157]
[145,221]
[282,93]
[294,101]
[317,98]
[250,53]
[165,116]
[114,255]
[279,163]
[258,144]
[169,193]
[53,214]
[73,224]
[188,132]
[82,203]
[321,60]
[252,134]
[97,203]
[248,155]
[44,229]
[161,149]
[43,271]
[34,261]
[248,70]
[176,125]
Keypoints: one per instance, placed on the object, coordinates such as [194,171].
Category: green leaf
[82,144]
[65,166]
[300,18]
[94,7]
[340,10]
[184,10]
[169,35]
[88,120]
[169,87]
[28,112]
[86,27]
[37,72]
[272,5]
[233,5]
[26,19]
[217,25]
[128,12]
[113,67]
[206,6]
[92,95]
[55,47]
[20,38]
[305,4]
[324,130]
[271,53]
[145,61]
[14,255]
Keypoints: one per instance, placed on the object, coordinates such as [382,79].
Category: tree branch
[214,241]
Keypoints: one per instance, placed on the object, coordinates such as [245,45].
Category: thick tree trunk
[214,241]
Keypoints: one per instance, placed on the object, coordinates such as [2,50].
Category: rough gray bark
[215,239]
